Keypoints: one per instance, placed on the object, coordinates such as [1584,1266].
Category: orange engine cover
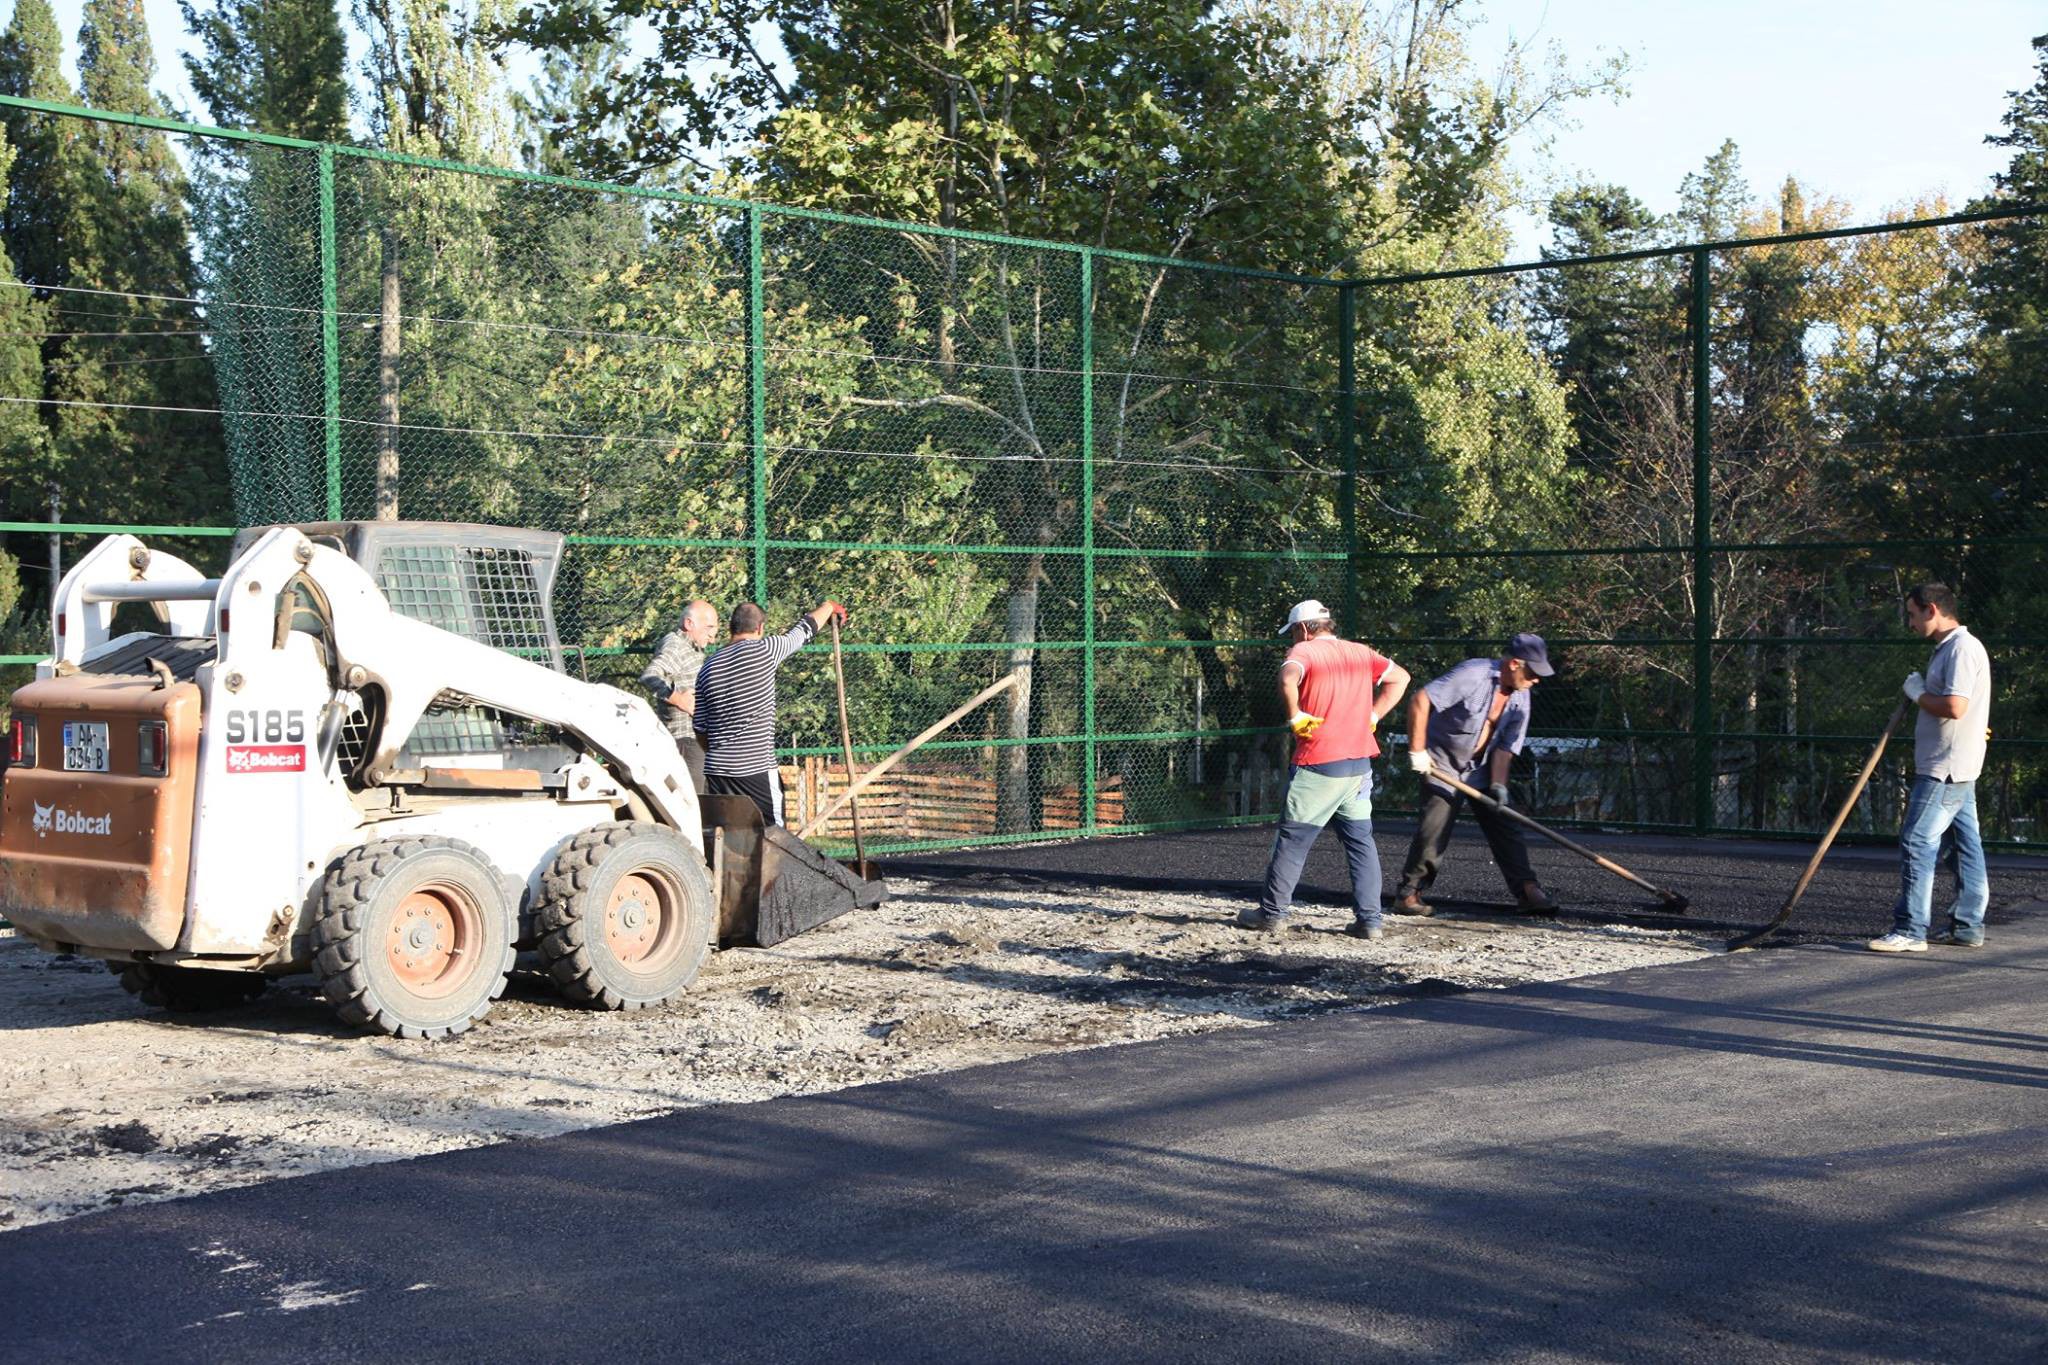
[100,859]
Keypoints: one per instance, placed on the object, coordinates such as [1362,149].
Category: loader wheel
[414,937]
[625,916]
[187,990]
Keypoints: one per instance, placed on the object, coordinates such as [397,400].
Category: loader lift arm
[416,665]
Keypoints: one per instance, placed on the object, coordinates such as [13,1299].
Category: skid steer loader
[357,753]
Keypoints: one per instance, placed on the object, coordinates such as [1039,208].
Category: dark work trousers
[1433,835]
[764,789]
[1290,854]
[1313,799]
[692,750]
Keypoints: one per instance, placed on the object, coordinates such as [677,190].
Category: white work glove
[1418,761]
[1914,687]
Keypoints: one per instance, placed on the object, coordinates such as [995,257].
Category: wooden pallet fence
[927,804]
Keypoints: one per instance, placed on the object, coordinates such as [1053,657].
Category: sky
[1874,102]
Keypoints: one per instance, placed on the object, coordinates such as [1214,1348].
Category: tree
[48,174]
[1713,200]
[439,93]
[571,79]
[26,471]
[273,66]
[1598,321]
[1158,128]
[126,433]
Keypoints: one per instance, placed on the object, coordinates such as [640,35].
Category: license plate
[85,746]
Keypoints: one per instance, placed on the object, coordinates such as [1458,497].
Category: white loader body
[314,689]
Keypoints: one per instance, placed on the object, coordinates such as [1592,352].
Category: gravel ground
[104,1102]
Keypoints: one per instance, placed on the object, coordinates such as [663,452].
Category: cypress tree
[25,469]
[46,174]
[139,461]
[274,66]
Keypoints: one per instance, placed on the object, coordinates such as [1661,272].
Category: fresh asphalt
[1731,884]
[1806,1153]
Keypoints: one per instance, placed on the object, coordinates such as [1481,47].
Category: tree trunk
[387,386]
[1014,814]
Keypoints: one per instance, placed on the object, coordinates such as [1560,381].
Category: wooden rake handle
[1670,898]
[952,718]
[1756,936]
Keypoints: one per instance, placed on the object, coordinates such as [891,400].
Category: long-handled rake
[1756,936]
[1671,899]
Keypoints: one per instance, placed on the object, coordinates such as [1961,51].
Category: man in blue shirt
[1470,723]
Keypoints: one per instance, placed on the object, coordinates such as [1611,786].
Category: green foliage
[25,457]
[276,66]
[129,235]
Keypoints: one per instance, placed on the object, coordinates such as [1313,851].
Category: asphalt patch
[1733,885]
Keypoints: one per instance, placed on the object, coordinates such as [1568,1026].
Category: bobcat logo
[48,819]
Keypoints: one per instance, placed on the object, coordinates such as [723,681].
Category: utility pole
[56,548]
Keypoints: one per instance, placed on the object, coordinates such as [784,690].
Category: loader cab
[491,584]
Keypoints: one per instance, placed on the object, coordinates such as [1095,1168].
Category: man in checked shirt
[670,681]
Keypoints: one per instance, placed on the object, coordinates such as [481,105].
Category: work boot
[1411,903]
[1372,933]
[1534,900]
[1252,917]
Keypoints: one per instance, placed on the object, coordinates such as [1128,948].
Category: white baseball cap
[1307,610]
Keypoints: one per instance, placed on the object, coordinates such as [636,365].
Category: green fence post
[757,403]
[330,338]
[1347,439]
[1087,301]
[1702,551]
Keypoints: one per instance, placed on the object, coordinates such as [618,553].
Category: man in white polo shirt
[1954,703]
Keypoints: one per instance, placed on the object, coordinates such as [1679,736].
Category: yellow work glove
[1303,724]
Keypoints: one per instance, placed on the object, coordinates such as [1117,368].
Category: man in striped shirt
[736,705]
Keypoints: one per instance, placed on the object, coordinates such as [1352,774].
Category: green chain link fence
[1117,471]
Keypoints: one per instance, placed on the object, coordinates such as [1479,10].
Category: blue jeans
[1936,808]
[1345,804]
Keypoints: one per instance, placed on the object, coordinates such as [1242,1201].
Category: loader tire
[413,936]
[625,916]
[187,990]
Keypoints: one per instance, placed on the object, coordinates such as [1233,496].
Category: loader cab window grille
[487,593]
[505,592]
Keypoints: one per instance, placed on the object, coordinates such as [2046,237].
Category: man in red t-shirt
[1335,691]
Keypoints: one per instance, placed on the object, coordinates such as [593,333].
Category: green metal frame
[330,335]
[758,544]
[1702,544]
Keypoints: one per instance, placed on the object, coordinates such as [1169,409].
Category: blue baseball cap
[1530,649]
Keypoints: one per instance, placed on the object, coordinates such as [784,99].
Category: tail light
[21,742]
[153,749]
[223,621]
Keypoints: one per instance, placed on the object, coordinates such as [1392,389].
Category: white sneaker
[1896,942]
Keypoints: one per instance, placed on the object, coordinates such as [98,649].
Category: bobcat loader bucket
[771,884]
